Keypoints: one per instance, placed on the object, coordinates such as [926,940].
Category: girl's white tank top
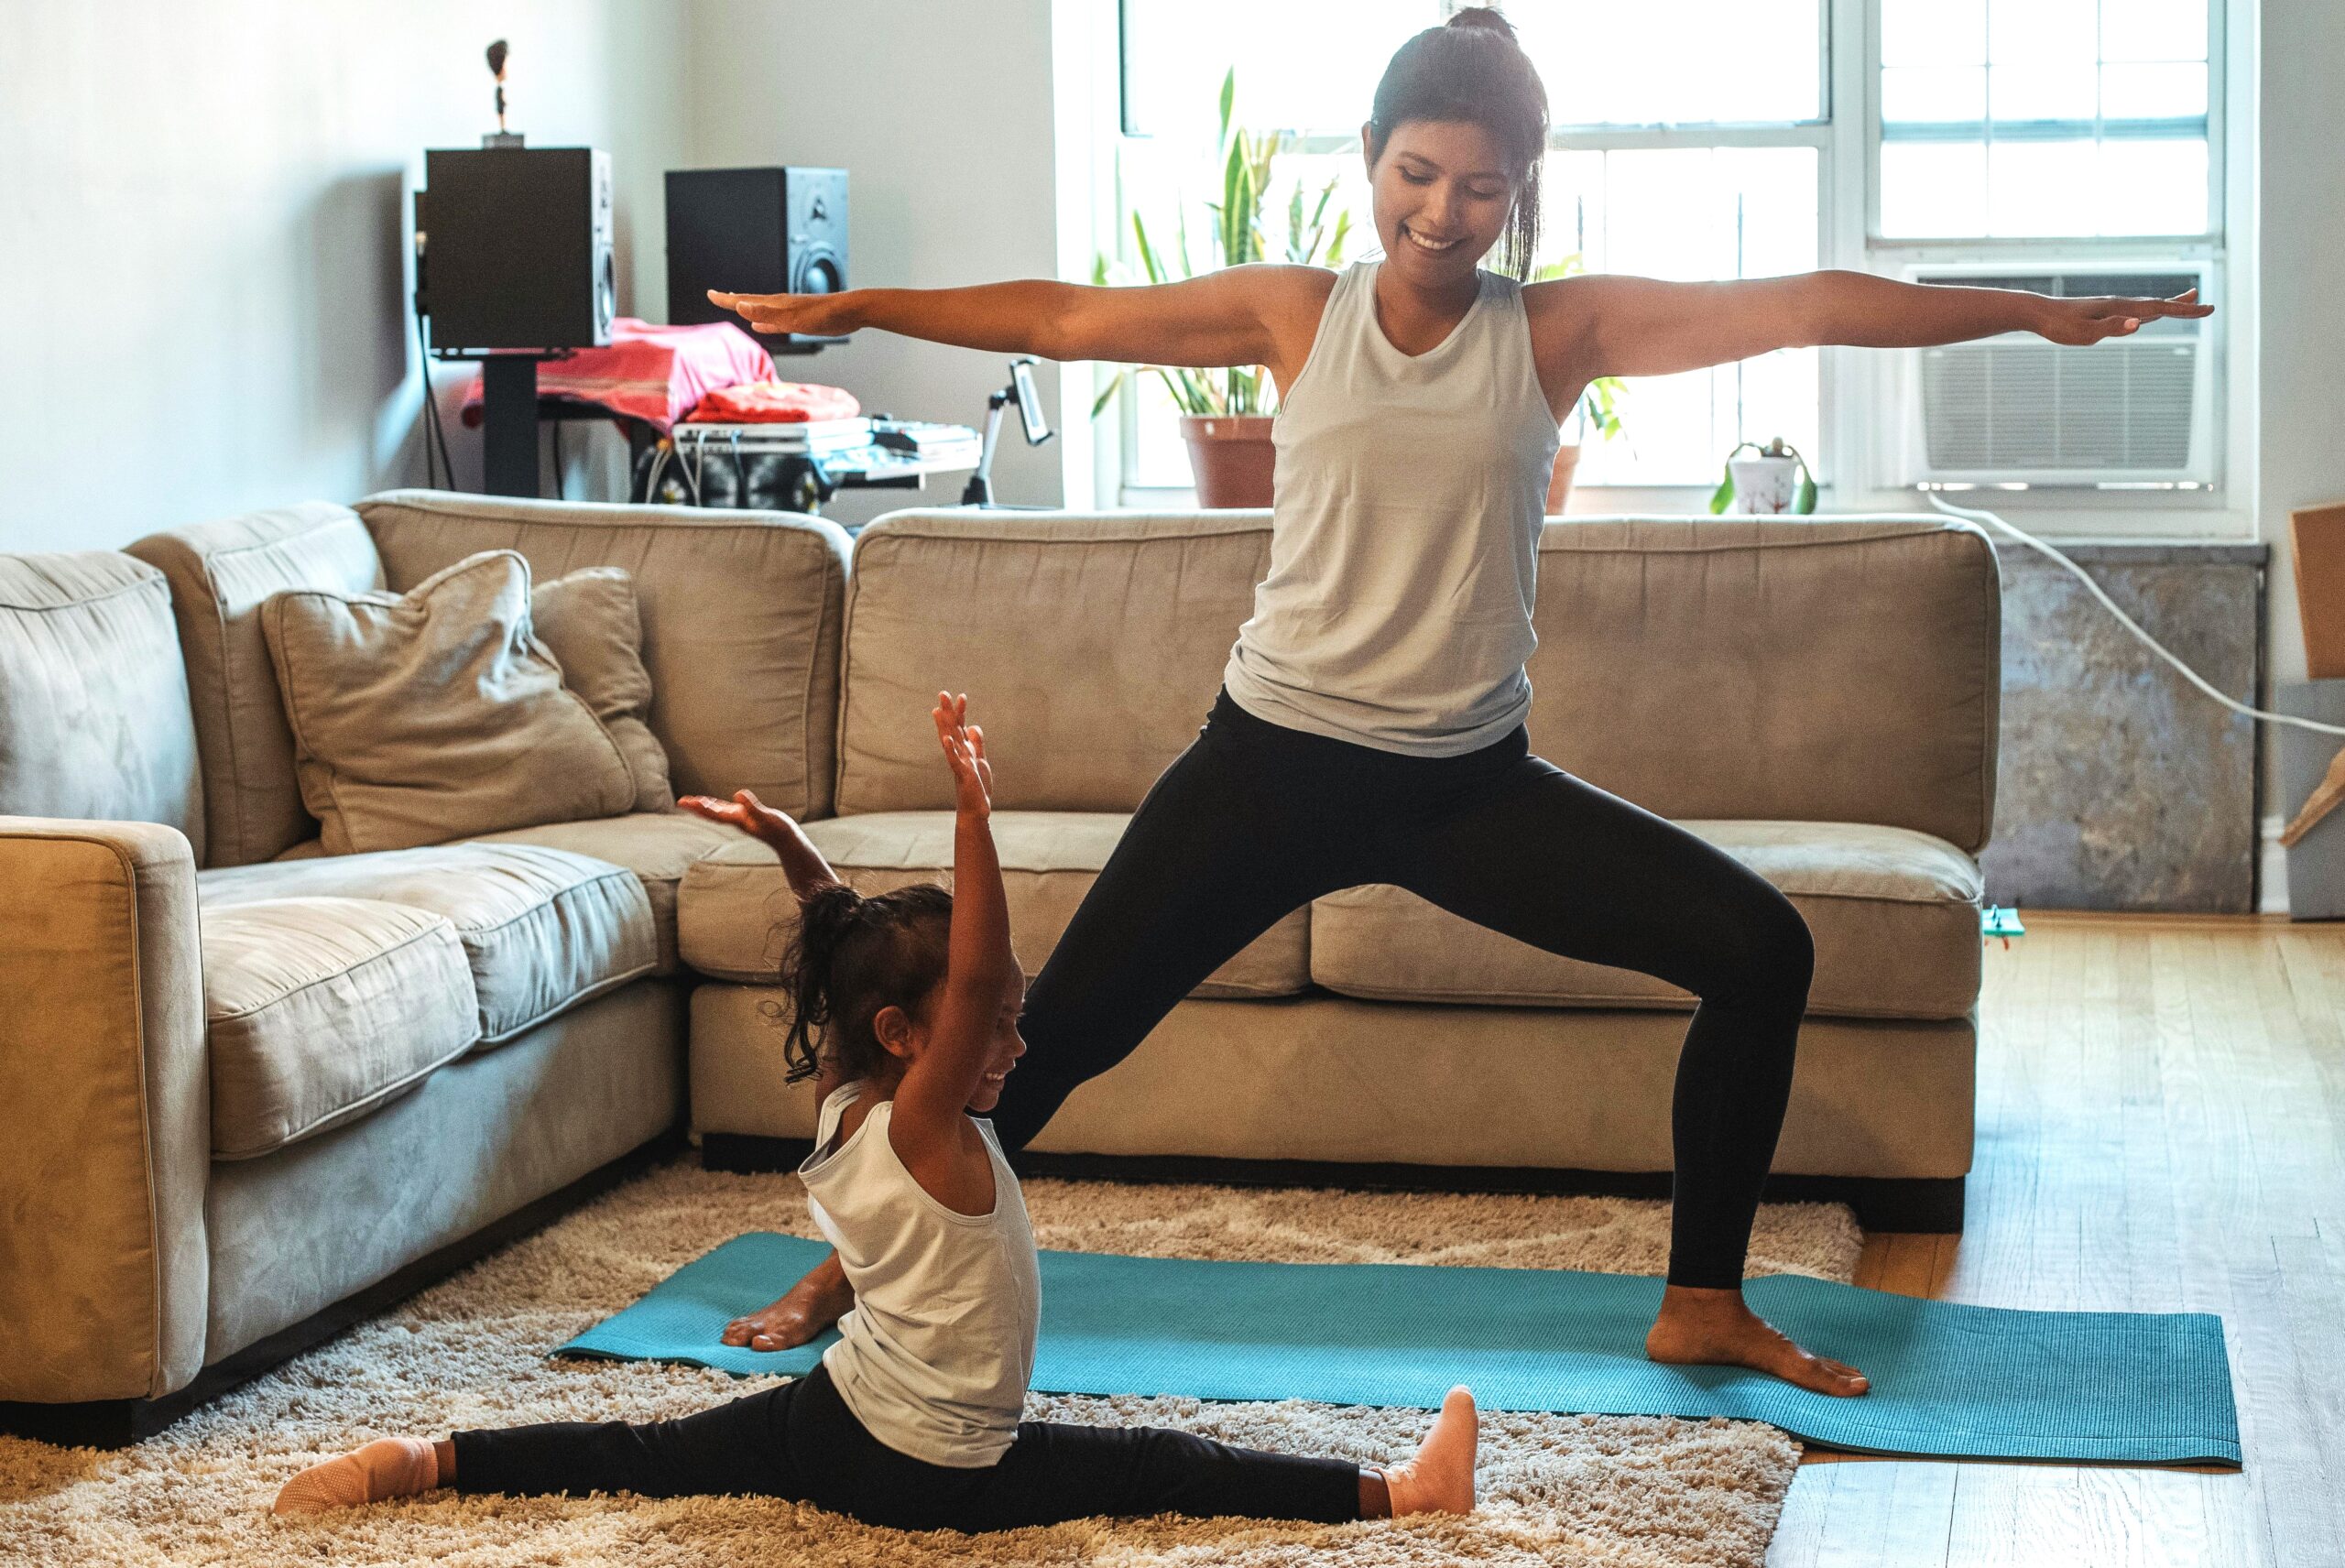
[935,1356]
[1405,532]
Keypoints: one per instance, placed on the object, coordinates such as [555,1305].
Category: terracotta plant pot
[1232,458]
[1559,487]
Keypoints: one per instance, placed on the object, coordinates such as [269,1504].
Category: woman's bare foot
[387,1467]
[1440,1479]
[813,1304]
[1716,1328]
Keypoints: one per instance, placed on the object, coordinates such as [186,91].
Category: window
[1697,139]
[2044,118]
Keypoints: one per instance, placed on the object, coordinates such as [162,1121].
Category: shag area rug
[1635,1492]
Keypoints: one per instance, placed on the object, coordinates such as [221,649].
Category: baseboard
[1882,1203]
[2272,871]
[114,1423]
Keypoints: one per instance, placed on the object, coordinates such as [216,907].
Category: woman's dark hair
[1472,71]
[850,958]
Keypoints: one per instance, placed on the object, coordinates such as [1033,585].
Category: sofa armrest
[103,1271]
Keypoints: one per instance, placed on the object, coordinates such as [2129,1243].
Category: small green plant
[1313,234]
[1599,404]
[1803,502]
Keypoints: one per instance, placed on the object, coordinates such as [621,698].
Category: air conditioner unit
[2020,408]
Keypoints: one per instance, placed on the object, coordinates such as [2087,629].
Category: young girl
[912,1419]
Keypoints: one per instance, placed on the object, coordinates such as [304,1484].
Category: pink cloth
[776,403]
[656,375]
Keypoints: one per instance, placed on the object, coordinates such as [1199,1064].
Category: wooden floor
[2161,1128]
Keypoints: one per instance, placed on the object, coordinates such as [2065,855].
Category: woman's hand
[964,749]
[2093,318]
[815,315]
[743,811]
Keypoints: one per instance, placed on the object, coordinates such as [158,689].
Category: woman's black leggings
[1255,819]
[799,1441]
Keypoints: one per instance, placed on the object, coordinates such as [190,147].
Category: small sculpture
[497,55]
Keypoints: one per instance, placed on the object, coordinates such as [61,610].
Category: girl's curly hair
[851,957]
[1471,70]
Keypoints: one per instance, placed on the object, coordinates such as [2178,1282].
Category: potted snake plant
[1225,415]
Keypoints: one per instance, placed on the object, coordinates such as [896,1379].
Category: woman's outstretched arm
[1619,326]
[1232,317]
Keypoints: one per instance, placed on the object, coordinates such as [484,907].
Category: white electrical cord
[2129,623]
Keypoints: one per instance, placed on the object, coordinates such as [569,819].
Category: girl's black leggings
[1255,819]
[799,1441]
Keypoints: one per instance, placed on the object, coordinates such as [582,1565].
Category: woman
[1371,728]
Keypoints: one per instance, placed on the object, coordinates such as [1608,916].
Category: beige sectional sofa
[254,1091]
[1818,697]
[251,1091]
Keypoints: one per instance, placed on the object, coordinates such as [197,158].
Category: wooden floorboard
[2161,1128]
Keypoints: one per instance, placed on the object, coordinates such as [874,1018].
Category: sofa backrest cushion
[740,614]
[1797,669]
[1844,670]
[219,572]
[94,722]
[1090,645]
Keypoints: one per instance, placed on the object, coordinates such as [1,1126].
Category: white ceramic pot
[1764,485]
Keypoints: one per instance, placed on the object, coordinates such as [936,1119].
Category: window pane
[2063,91]
[2153,188]
[2039,32]
[2152,92]
[1301,65]
[2154,29]
[1923,94]
[1932,188]
[2039,188]
[1676,62]
[1692,213]
[1933,32]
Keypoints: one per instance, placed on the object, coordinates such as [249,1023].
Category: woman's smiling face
[1442,198]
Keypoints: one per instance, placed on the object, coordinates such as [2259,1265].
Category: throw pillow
[589,622]
[435,714]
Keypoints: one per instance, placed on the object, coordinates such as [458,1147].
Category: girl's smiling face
[1441,198]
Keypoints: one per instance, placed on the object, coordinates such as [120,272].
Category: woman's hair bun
[1483,17]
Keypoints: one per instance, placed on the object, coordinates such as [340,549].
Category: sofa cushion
[658,846]
[1091,644]
[740,614]
[589,623]
[542,930]
[734,910]
[319,1011]
[94,721]
[219,572]
[435,714]
[1894,913]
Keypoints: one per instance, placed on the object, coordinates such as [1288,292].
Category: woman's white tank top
[1405,533]
[936,1355]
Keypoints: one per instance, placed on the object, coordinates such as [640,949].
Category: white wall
[203,234]
[942,115]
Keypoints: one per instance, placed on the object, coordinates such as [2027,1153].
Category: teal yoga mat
[1948,1380]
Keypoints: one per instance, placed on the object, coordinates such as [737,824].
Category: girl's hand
[743,811]
[816,315]
[964,749]
[2090,320]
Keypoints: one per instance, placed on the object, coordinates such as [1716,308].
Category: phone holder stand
[1020,395]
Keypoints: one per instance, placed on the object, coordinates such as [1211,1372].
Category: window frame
[1851,382]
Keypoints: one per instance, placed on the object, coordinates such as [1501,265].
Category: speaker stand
[509,424]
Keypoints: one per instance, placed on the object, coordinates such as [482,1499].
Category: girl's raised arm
[978,965]
[1236,316]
